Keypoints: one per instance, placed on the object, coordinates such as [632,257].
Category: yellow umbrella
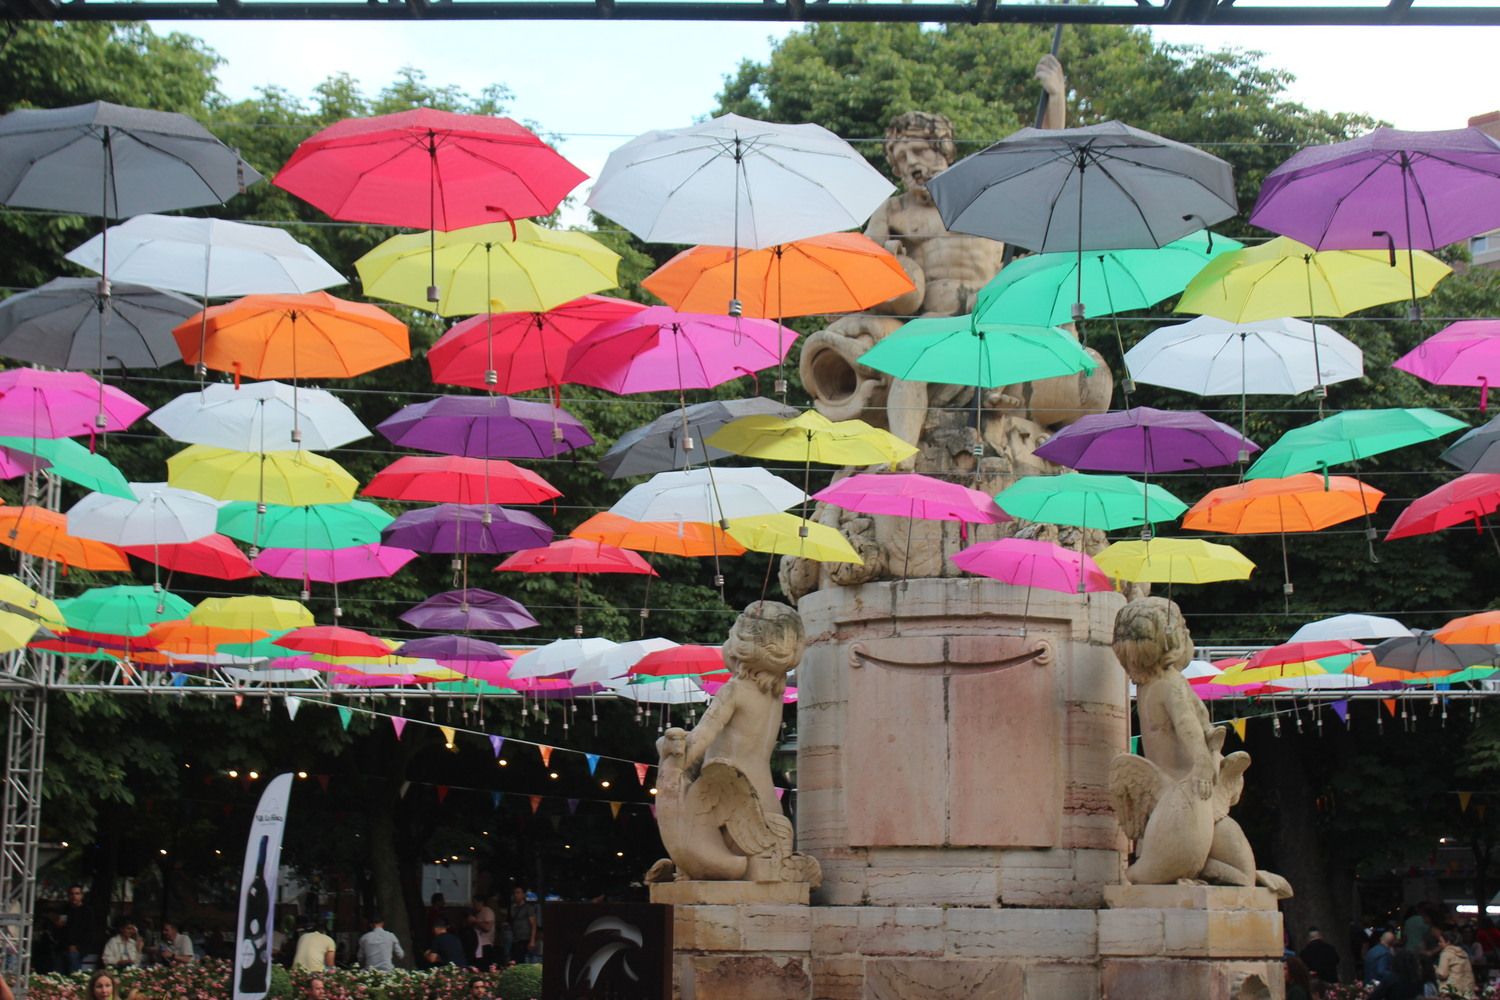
[27,602]
[810,437]
[286,478]
[1283,277]
[789,535]
[267,614]
[16,631]
[500,267]
[1243,673]
[1174,560]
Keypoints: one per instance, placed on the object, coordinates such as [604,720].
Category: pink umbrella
[788,697]
[48,404]
[496,672]
[659,349]
[360,562]
[1025,562]
[1462,353]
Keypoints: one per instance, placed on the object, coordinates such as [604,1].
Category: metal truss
[1228,13]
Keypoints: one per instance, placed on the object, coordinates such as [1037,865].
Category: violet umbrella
[486,427]
[1462,353]
[1146,440]
[462,529]
[1026,562]
[471,610]
[452,647]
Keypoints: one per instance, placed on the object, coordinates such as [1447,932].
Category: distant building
[1485,248]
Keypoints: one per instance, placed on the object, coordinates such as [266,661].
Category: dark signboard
[607,951]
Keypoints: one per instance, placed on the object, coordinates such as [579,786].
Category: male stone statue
[716,806]
[1174,799]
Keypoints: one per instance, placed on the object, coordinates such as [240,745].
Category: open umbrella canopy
[67,459]
[810,437]
[576,555]
[1476,450]
[789,535]
[665,538]
[1422,653]
[453,647]
[1144,439]
[912,495]
[1350,626]
[215,556]
[486,427]
[517,351]
[18,630]
[1173,561]
[271,614]
[317,526]
[613,664]
[694,495]
[48,404]
[157,514]
[463,529]
[500,267]
[1459,501]
[1462,353]
[123,610]
[260,416]
[184,638]
[469,610]
[19,598]
[1103,502]
[312,335]
[69,323]
[818,276]
[333,640]
[1305,502]
[1027,562]
[357,562]
[1478,629]
[1283,277]
[562,656]
[1213,357]
[679,661]
[662,445]
[44,533]
[449,478]
[659,349]
[670,691]
[955,349]
[1349,437]
[290,478]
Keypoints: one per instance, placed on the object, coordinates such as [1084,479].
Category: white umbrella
[557,657]
[271,675]
[1199,668]
[260,416]
[708,496]
[1321,682]
[614,664]
[737,182]
[1363,628]
[1213,357]
[672,691]
[159,515]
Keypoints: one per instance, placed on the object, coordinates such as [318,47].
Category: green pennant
[344,716]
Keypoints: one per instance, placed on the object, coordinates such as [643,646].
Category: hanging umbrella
[1213,357]
[333,640]
[664,538]
[181,638]
[1103,502]
[956,350]
[1350,626]
[17,630]
[1025,562]
[1421,653]
[558,657]
[668,443]
[615,663]
[469,610]
[260,416]
[810,437]
[43,533]
[453,647]
[1148,440]
[679,661]
[659,350]
[66,459]
[319,526]
[1349,437]
[1475,450]
[460,480]
[215,556]
[672,691]
[486,427]
[272,614]
[694,495]
[1468,498]
[123,610]
[913,496]
[48,404]
[1478,629]
[71,323]
[289,478]
[501,267]
[788,535]
[576,555]
[517,351]
[357,562]
[157,514]
[1462,353]
[471,530]
[19,598]
[1173,561]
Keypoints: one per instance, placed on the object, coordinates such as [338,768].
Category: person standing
[1378,959]
[1320,957]
[445,948]
[77,930]
[315,950]
[1454,972]
[123,951]
[521,916]
[482,920]
[379,948]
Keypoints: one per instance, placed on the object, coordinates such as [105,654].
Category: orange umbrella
[665,538]
[1482,629]
[181,636]
[293,336]
[840,272]
[44,533]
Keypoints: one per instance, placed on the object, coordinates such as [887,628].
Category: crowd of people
[1426,953]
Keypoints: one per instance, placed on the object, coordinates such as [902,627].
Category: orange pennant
[1463,801]
[536,802]
[614,809]
[546,756]
[1390,705]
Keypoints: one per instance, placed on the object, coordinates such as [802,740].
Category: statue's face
[916,161]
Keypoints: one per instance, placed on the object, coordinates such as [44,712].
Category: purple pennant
[471,610]
[1341,709]
[1146,440]
[486,427]
[452,647]
[496,742]
[572,806]
[462,528]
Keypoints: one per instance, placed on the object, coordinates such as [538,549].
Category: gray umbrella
[106,160]
[658,446]
[1100,187]
[59,325]
[1421,652]
[1478,450]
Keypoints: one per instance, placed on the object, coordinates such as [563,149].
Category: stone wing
[1134,786]
[738,810]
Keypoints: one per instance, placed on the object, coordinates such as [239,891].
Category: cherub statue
[715,805]
[1174,799]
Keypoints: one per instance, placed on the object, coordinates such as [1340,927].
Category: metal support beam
[20,828]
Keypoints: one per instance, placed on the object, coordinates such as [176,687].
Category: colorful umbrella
[460,529]
[453,647]
[44,533]
[272,614]
[260,416]
[156,514]
[788,535]
[486,427]
[18,630]
[955,349]
[215,556]
[70,323]
[517,351]
[1213,357]
[679,661]
[123,610]
[577,556]
[1146,440]
[66,459]
[1421,653]
[1479,629]
[333,640]
[357,562]
[1103,502]
[48,404]
[1026,562]
[319,526]
[288,478]
[659,349]
[1349,437]
[1468,498]
[1350,626]
[438,479]
[913,496]
[665,538]
[183,638]
[558,657]
[613,664]
[1475,450]
[694,495]
[469,610]
[672,691]
[671,441]
[18,597]
[1173,561]
[1462,353]
[810,437]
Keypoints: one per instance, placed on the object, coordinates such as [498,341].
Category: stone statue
[716,806]
[1174,799]
[948,269]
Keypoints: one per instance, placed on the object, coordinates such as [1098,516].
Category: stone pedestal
[740,940]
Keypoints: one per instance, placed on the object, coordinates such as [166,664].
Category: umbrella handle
[1390,244]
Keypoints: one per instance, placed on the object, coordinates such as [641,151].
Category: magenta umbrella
[1025,562]
[358,562]
[471,610]
[47,404]
[915,497]
[496,672]
[1462,353]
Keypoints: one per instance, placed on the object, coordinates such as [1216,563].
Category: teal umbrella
[952,349]
[319,526]
[260,649]
[67,459]
[124,610]
[1349,437]
[1086,501]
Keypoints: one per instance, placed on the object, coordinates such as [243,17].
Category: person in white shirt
[482,919]
[123,951]
[176,947]
[379,948]
[315,950]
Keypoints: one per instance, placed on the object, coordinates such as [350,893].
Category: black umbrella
[1478,450]
[59,325]
[662,445]
[1421,653]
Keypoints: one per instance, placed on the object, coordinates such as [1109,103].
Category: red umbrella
[456,479]
[1301,652]
[577,555]
[215,556]
[333,640]
[680,660]
[523,350]
[1468,498]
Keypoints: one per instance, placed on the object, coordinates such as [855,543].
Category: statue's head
[765,644]
[1151,637]
[919,145]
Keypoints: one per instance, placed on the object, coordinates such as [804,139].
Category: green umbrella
[67,459]
[1348,437]
[1087,501]
[124,610]
[319,526]
[952,349]
[260,649]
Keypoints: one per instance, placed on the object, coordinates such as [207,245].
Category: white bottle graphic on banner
[252,966]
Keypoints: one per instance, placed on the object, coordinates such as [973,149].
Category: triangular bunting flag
[572,806]
[239,701]
[1238,725]
[536,802]
[1341,709]
[614,810]
[496,742]
[593,760]
[780,793]
[546,753]
[405,786]
[449,733]
[442,792]
[495,798]
[1135,744]
[179,680]
[1463,801]
[323,782]
[640,773]
[345,715]
[398,724]
[1390,705]
[292,703]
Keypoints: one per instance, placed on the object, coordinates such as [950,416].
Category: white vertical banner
[252,953]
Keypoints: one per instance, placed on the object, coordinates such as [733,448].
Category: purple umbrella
[452,647]
[1147,440]
[470,610]
[486,427]
[466,529]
